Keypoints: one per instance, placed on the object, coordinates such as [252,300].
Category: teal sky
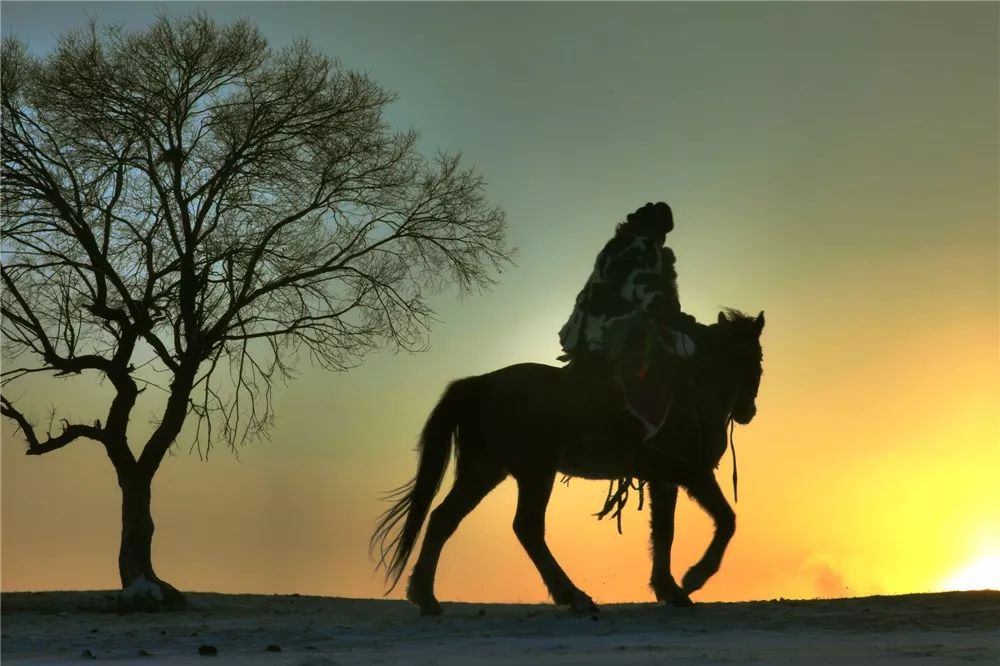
[834,164]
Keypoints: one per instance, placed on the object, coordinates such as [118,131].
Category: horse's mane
[733,322]
[737,317]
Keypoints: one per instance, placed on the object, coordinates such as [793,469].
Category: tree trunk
[142,589]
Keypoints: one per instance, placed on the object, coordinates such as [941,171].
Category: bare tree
[186,198]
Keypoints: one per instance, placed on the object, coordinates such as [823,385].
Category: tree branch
[70,433]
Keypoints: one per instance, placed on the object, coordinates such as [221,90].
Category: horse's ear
[722,318]
[759,323]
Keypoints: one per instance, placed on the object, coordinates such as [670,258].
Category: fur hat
[658,214]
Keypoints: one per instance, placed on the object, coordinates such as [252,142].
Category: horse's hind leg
[475,477]
[529,525]
[707,493]
[662,504]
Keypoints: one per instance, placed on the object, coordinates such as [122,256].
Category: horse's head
[739,344]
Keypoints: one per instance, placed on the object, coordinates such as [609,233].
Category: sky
[834,165]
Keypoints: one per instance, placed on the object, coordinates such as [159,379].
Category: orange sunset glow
[836,166]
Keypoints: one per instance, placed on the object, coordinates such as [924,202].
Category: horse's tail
[397,529]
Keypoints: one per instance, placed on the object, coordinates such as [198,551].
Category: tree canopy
[189,197]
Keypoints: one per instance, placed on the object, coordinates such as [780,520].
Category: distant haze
[835,165]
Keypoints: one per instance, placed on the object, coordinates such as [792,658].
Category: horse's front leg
[662,504]
[705,490]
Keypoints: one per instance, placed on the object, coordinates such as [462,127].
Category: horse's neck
[716,392]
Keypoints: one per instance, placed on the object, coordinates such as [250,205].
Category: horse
[524,421]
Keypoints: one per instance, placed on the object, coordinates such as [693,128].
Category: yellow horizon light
[982,574]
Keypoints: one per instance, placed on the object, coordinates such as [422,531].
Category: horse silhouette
[532,421]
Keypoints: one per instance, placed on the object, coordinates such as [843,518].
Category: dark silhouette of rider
[627,325]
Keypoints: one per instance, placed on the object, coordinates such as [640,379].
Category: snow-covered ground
[72,627]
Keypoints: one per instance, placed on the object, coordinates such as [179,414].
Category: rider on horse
[627,327]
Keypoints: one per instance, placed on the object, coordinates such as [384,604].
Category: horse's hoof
[681,601]
[693,581]
[674,596]
[582,603]
[431,608]
[420,593]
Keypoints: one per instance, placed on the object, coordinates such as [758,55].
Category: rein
[732,446]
